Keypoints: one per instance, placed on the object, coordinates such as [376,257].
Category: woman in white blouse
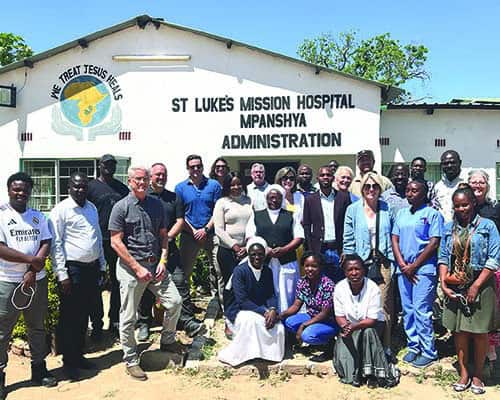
[359,355]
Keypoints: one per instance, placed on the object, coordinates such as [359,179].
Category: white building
[150,91]
[471,127]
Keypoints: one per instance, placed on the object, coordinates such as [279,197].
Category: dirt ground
[111,382]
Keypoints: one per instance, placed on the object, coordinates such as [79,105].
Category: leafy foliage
[380,58]
[13,48]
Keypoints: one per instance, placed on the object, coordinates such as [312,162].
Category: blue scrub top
[415,231]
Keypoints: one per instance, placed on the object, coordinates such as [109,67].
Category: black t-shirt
[172,205]
[104,196]
[174,208]
[490,211]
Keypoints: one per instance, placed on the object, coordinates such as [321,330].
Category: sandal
[462,387]
[477,389]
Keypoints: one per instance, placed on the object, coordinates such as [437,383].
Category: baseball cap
[108,157]
[365,153]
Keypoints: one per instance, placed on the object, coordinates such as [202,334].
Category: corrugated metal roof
[388,92]
[453,104]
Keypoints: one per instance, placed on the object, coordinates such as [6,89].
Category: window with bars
[51,177]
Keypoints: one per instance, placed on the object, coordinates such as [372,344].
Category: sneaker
[143,334]
[136,372]
[422,362]
[410,357]
[194,328]
[174,347]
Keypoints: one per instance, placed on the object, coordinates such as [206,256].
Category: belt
[332,245]
[82,264]
[149,260]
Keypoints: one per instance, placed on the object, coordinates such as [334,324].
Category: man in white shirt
[24,246]
[78,261]
[443,190]
[255,190]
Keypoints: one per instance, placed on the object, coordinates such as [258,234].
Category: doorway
[271,168]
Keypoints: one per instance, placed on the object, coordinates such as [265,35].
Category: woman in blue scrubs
[415,239]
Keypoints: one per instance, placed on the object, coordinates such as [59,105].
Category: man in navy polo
[198,194]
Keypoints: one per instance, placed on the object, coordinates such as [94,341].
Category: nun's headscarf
[256,240]
[279,189]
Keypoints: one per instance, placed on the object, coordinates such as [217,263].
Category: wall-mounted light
[151,57]
[7,96]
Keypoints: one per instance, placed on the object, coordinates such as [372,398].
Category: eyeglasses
[478,183]
[288,178]
[220,166]
[141,179]
[371,186]
[197,166]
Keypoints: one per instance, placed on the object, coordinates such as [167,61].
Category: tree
[13,48]
[380,58]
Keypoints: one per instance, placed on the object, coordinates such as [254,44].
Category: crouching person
[251,311]
[139,237]
[24,246]
[358,354]
[317,325]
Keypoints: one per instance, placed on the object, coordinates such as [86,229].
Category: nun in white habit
[283,233]
[251,312]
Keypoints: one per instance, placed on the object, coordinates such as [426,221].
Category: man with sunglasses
[198,194]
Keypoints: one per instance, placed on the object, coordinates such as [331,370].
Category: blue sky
[462,36]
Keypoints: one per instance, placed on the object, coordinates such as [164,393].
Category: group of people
[290,262]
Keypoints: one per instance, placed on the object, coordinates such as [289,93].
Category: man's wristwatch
[206,229]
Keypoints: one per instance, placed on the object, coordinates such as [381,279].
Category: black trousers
[97,313]
[75,308]
[180,281]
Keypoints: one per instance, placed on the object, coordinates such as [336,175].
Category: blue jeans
[316,334]
[332,267]
[416,301]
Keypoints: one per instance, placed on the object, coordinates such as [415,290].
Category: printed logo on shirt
[12,222]
[36,221]
[25,235]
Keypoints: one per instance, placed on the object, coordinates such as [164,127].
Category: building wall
[472,133]
[146,107]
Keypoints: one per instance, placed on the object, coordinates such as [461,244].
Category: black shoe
[143,334]
[86,364]
[372,383]
[324,356]
[174,347]
[71,372]
[194,328]
[3,391]
[41,377]
[356,382]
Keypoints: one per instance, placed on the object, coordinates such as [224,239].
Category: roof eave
[388,93]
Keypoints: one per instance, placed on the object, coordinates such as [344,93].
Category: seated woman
[358,354]
[317,326]
[251,311]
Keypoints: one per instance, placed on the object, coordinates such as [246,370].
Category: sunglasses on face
[220,166]
[289,178]
[371,186]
